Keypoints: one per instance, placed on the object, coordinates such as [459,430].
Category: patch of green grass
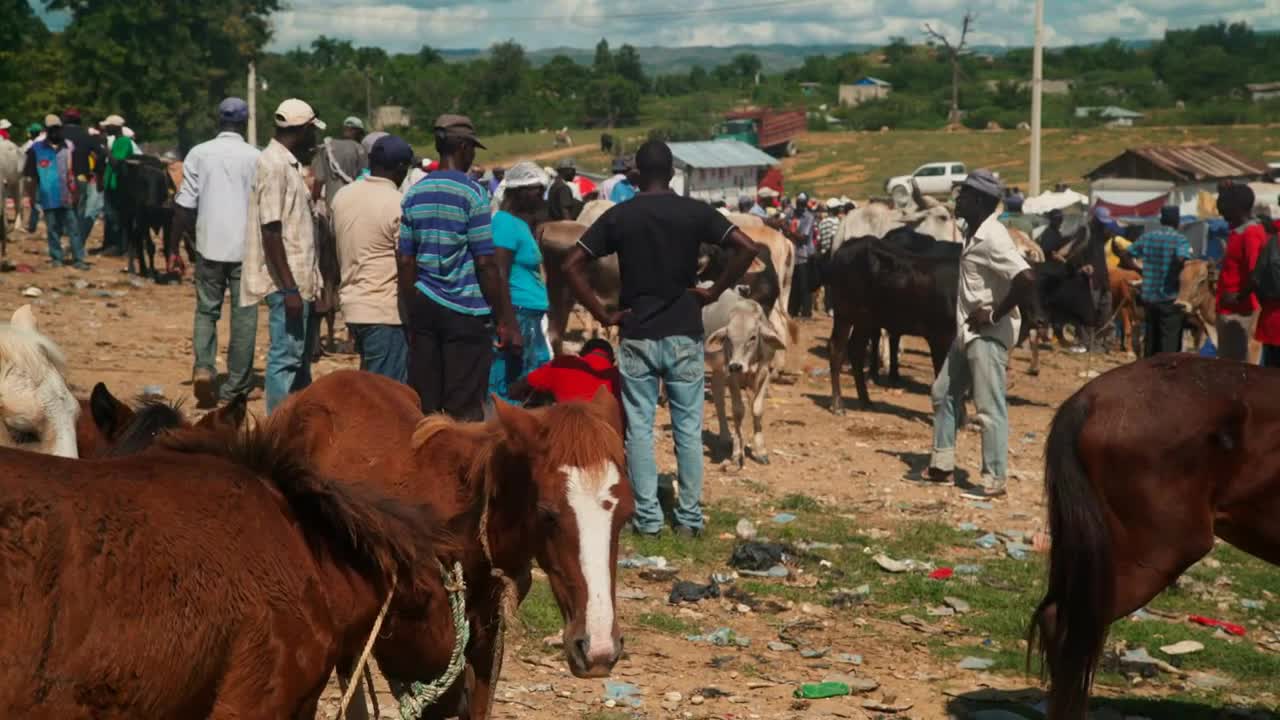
[539,612]
[668,624]
[799,502]
[763,588]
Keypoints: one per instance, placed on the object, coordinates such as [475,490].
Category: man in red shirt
[579,377]
[1238,309]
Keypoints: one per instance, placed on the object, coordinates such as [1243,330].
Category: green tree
[603,63]
[746,66]
[428,55]
[626,64]
[612,101]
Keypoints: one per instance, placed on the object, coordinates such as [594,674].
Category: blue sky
[408,24]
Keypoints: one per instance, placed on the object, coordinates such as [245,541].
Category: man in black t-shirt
[86,159]
[656,237]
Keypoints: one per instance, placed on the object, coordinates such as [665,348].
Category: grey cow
[740,347]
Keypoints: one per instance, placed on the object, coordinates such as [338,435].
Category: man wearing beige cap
[450,286]
[280,263]
[119,148]
[54,190]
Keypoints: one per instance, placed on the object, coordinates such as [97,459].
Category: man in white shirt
[619,175]
[366,225]
[994,280]
[280,264]
[217,178]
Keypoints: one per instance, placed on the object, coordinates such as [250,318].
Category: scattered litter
[955,603]
[912,621]
[1209,681]
[968,527]
[778,646]
[941,611]
[1142,659]
[967,569]
[1141,614]
[32,292]
[638,561]
[659,574]
[978,504]
[1231,628]
[988,541]
[685,591]
[846,598]
[814,653]
[1088,374]
[848,659]
[1017,550]
[777,571]
[710,693]
[874,706]
[888,564]
[80,284]
[633,594]
[745,530]
[723,637]
[1186,647]
[1253,604]
[758,556]
[723,578]
[622,692]
[807,546]
[153,391]
[976,663]
[942,573]
[1028,437]
[818,691]
[783,518]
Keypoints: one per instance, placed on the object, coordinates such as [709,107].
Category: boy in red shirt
[578,377]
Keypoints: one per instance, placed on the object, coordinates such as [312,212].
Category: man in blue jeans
[280,264]
[656,237]
[54,191]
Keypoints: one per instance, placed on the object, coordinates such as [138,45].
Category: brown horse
[212,576]
[546,484]
[1143,467]
[108,427]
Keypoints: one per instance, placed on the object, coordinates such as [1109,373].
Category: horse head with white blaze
[37,410]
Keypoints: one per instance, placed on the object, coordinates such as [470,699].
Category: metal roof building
[1194,172]
[720,169]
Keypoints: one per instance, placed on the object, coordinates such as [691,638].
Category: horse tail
[1071,621]
[353,524]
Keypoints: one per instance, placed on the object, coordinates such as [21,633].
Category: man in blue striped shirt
[451,289]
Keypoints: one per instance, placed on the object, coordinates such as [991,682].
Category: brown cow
[1197,286]
[1124,303]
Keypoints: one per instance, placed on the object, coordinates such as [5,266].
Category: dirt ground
[134,335]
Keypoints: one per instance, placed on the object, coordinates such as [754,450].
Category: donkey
[546,485]
[37,410]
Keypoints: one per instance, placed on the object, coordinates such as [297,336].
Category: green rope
[421,696]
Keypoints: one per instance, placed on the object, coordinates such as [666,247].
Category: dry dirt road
[136,335]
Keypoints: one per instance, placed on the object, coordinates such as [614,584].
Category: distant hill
[679,60]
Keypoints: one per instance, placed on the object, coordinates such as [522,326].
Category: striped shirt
[445,225]
[1158,249]
[827,231]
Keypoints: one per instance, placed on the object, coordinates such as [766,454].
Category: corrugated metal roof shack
[720,170]
[1194,170]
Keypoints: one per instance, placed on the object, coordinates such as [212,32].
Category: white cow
[877,220]
[740,347]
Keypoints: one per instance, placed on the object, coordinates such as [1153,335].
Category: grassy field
[1001,593]
[857,164]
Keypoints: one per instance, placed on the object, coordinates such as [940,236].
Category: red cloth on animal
[1243,246]
[572,377]
[585,185]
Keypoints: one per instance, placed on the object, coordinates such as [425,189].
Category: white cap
[767,192]
[113,120]
[525,174]
[834,203]
[5,124]
[296,113]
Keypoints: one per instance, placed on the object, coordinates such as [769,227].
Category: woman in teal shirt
[517,251]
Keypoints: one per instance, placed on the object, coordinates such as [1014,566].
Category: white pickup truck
[933,179]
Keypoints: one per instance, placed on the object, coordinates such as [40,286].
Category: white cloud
[409,24]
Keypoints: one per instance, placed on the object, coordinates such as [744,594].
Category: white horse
[37,410]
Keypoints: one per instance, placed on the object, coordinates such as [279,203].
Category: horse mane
[152,416]
[30,351]
[375,534]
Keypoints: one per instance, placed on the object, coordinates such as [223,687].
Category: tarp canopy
[1044,202]
[1131,198]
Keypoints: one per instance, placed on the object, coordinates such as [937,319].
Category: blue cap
[390,151]
[233,109]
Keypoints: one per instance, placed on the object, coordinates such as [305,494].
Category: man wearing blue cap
[1094,263]
[366,226]
[217,178]
[1162,252]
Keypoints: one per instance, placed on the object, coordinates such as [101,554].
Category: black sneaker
[684,531]
[986,493]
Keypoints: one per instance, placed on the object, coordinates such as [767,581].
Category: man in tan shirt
[366,224]
[280,250]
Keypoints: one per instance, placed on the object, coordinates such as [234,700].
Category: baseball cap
[767,192]
[52,121]
[5,124]
[353,122]
[34,128]
[390,151]
[985,182]
[233,109]
[296,113]
[802,197]
[71,114]
[458,127]
[834,204]
[525,174]
[567,164]
[1103,216]
[113,120]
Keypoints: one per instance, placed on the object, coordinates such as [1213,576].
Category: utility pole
[368,100]
[253,104]
[1037,81]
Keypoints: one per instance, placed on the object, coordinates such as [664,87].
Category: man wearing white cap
[994,280]
[119,148]
[280,263]
[213,200]
[54,190]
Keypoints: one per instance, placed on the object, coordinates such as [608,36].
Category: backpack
[1265,277]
